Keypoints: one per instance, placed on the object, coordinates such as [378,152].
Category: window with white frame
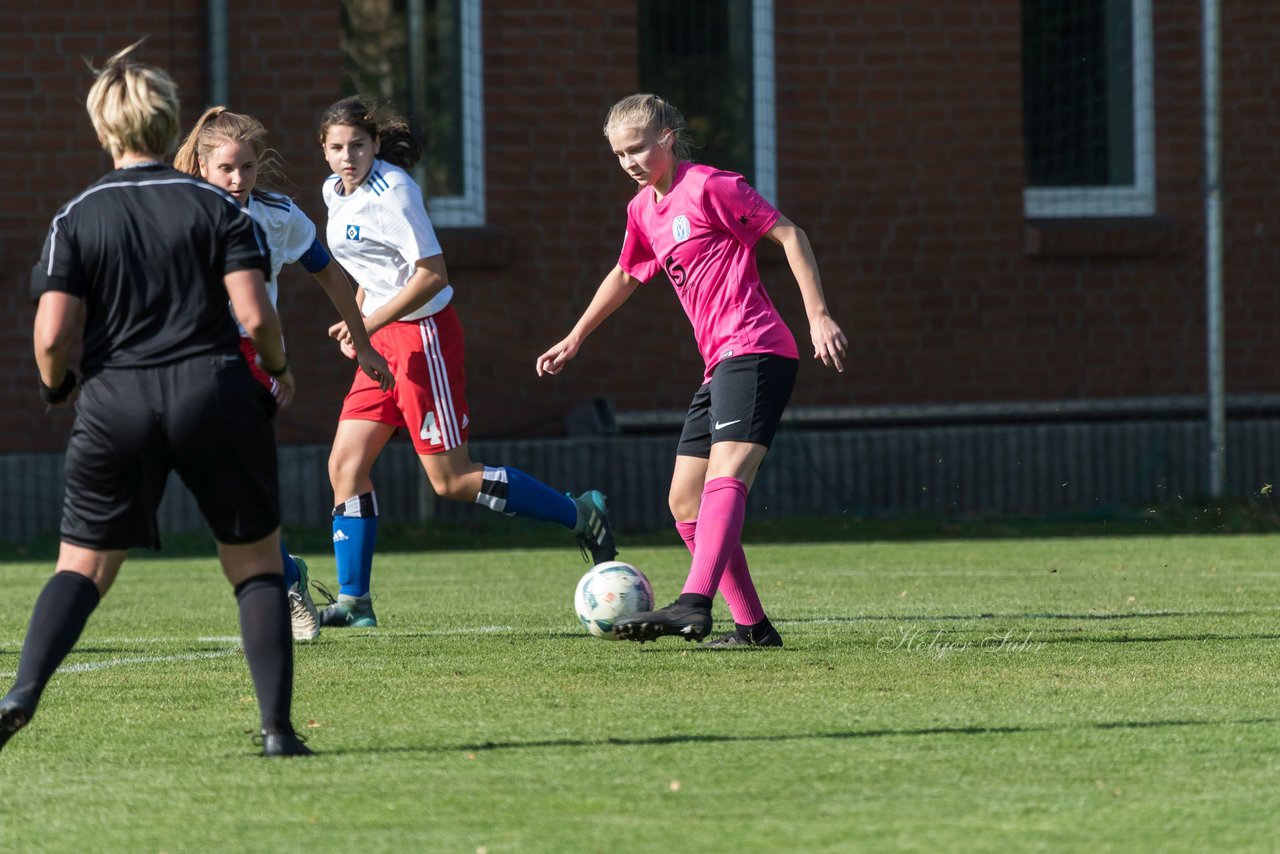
[713,59]
[1087,108]
[423,58]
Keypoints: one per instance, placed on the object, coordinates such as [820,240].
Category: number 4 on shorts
[430,432]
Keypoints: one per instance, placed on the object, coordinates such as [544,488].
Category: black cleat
[684,621]
[738,640]
[594,533]
[283,744]
[16,710]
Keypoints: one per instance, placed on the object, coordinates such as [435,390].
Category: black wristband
[62,392]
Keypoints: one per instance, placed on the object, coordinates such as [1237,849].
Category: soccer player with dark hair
[135,274]
[379,230]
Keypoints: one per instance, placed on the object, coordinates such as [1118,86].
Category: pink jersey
[705,230]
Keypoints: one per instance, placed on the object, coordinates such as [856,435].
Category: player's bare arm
[829,342]
[338,287]
[59,326]
[616,289]
[430,277]
[339,331]
[248,295]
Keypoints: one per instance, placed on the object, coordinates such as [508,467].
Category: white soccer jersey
[379,232]
[290,233]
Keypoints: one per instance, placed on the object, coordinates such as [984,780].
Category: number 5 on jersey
[675,271]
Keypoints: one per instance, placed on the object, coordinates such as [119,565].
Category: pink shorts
[429,399]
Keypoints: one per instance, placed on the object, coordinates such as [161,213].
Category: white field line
[90,666]
[234,649]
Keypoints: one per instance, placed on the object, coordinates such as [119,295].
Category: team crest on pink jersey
[680,228]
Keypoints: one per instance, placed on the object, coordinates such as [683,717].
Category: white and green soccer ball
[608,592]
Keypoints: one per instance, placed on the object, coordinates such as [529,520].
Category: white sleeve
[296,236]
[407,225]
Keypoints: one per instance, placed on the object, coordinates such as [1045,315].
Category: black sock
[59,617]
[268,647]
[694,600]
[755,631]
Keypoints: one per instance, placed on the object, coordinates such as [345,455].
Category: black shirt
[146,249]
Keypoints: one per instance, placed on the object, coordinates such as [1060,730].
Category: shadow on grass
[1048,615]
[851,735]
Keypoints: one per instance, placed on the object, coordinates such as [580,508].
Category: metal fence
[945,471]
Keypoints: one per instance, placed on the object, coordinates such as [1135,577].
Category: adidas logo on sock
[339,537]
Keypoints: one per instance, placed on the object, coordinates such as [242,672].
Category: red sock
[735,585]
[724,503]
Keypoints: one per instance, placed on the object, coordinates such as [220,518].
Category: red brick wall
[43,126]
[900,153]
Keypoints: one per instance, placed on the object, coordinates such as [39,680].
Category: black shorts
[742,403]
[206,418]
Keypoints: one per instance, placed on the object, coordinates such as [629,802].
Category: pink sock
[735,585]
[724,503]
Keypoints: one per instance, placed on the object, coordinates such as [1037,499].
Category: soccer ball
[608,592]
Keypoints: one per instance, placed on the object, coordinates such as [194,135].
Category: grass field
[1099,694]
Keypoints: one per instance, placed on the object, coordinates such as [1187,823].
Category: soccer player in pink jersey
[229,150]
[379,231]
[700,226]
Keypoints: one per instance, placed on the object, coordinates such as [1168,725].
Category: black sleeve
[59,266]
[246,245]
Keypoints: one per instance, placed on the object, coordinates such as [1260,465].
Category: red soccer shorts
[251,356]
[429,399]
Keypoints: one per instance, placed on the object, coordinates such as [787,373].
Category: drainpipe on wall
[219,76]
[1217,445]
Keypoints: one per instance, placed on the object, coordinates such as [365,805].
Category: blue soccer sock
[355,530]
[511,491]
[292,575]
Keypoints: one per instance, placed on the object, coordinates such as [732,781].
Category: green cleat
[345,611]
[594,533]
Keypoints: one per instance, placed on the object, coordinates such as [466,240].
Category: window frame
[467,209]
[764,95]
[1138,198]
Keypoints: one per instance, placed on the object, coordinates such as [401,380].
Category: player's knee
[344,472]
[335,469]
[682,508]
[452,488]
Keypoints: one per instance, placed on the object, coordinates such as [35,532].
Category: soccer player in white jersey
[380,232]
[229,150]
[701,225]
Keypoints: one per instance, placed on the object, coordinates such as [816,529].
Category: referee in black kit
[136,272]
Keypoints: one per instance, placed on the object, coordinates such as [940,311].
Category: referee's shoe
[284,744]
[16,710]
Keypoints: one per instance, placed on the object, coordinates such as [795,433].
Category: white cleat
[303,616]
